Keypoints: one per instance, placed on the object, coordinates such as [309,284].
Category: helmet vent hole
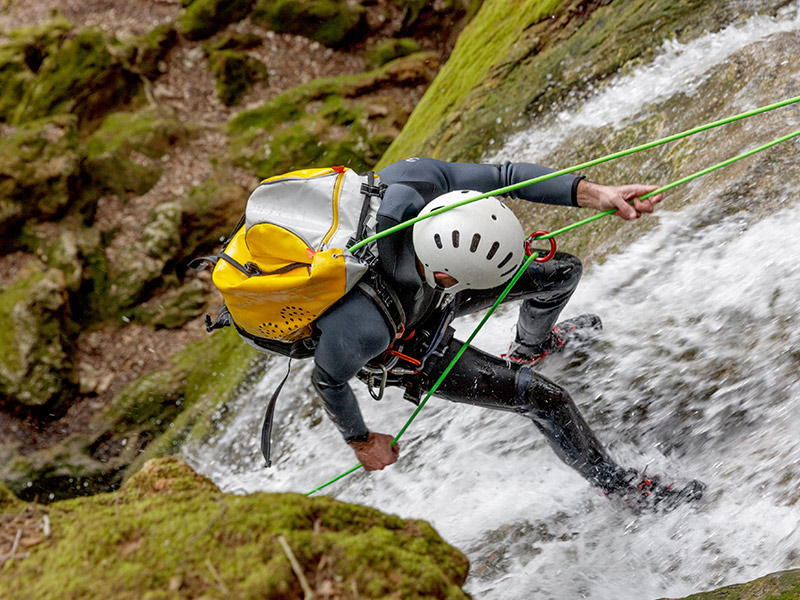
[438,240]
[508,257]
[456,238]
[476,239]
[493,250]
[509,272]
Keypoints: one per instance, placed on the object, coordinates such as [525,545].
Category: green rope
[591,163]
[525,266]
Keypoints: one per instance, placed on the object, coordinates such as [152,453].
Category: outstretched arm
[622,198]
[351,333]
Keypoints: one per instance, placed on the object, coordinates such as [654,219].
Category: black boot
[577,329]
[643,493]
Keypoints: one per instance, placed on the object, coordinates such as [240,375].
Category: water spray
[544,235]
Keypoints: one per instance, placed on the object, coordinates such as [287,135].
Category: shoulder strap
[385,298]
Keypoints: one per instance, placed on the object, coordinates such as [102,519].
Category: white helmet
[480,244]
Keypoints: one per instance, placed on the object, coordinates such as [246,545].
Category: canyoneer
[383,314]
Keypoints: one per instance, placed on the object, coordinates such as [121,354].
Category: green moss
[8,501]
[211,372]
[22,56]
[328,121]
[203,18]
[210,212]
[82,77]
[388,50]
[235,73]
[512,62]
[484,42]
[36,361]
[40,171]
[777,586]
[330,22]
[151,132]
[170,529]
[149,50]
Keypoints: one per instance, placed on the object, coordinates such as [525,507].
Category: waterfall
[696,375]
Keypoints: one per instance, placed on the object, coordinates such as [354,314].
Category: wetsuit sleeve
[449,176]
[351,333]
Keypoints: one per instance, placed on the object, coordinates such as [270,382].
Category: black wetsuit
[354,331]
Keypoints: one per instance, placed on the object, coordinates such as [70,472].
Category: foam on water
[676,67]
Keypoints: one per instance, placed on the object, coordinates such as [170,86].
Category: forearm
[483,178]
[340,405]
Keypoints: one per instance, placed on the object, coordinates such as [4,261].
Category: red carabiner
[529,250]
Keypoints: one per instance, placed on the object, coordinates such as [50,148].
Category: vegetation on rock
[170,533]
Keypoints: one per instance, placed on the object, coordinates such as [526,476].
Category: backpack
[287,261]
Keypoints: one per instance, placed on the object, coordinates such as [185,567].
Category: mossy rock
[204,18]
[21,58]
[215,371]
[141,267]
[235,73]
[333,23]
[148,135]
[387,50]
[170,533]
[516,60]
[40,171]
[233,40]
[339,120]
[174,308]
[210,211]
[65,470]
[784,585]
[37,365]
[84,76]
[147,52]
[152,416]
[9,503]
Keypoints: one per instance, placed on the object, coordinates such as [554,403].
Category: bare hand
[622,198]
[377,452]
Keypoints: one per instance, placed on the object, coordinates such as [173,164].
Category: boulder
[85,75]
[203,18]
[140,267]
[124,153]
[37,366]
[40,172]
[21,57]
[332,23]
[235,72]
[170,533]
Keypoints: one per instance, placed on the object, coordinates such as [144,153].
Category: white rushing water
[697,375]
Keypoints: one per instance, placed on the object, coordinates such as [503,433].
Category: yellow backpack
[287,261]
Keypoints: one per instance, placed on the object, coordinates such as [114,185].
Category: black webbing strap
[266,428]
[385,298]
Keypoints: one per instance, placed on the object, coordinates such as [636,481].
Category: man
[435,277]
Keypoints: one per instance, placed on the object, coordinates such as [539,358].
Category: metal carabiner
[371,383]
[529,250]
